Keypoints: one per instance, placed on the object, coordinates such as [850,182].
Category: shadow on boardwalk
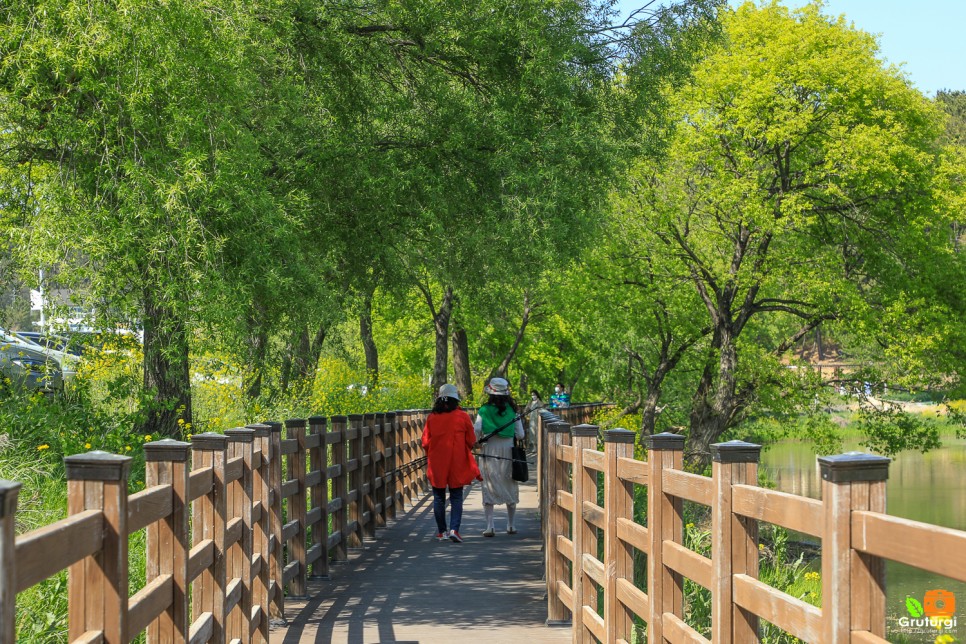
[405,587]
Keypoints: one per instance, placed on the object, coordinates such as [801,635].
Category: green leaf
[913,606]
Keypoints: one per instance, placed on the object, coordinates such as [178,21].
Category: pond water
[927,487]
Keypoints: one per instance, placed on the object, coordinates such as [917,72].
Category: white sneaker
[489,532]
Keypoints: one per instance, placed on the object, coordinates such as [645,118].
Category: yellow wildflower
[87,445]
[147,438]
[127,448]
[41,448]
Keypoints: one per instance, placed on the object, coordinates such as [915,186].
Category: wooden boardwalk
[407,588]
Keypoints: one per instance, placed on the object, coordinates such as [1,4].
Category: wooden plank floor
[407,588]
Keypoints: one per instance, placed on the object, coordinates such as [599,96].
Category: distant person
[533,408]
[559,399]
[499,412]
[447,439]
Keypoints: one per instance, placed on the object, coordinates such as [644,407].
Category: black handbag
[521,470]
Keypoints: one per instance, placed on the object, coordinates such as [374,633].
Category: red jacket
[447,439]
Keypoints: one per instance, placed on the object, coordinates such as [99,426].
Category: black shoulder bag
[519,470]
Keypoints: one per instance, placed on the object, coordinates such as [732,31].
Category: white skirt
[499,488]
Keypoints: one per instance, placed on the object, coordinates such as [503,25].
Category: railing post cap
[261,429]
[8,497]
[356,417]
[317,420]
[735,452]
[273,426]
[584,431]
[390,415]
[209,441]
[854,466]
[240,435]
[294,423]
[665,441]
[339,418]
[558,427]
[166,449]
[97,466]
[619,435]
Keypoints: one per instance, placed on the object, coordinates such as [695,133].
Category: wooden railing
[226,528]
[850,520]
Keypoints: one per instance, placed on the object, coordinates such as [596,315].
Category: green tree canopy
[803,187]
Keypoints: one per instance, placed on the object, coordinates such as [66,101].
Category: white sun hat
[449,391]
[497,387]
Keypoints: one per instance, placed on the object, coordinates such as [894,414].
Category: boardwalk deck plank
[405,587]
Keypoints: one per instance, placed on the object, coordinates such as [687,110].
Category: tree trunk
[310,361]
[302,356]
[716,403]
[368,341]
[166,375]
[461,363]
[504,366]
[441,326]
[257,350]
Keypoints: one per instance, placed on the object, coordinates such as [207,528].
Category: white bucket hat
[449,391]
[497,387]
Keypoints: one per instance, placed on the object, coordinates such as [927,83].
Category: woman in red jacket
[447,439]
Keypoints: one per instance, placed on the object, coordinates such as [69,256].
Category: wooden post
[166,463]
[340,489]
[208,524]
[276,593]
[356,491]
[382,495]
[9,491]
[734,541]
[415,452]
[584,533]
[544,470]
[411,454]
[618,557]
[318,462]
[97,588]
[295,429]
[260,534]
[368,481]
[558,479]
[853,584]
[424,486]
[664,523]
[240,444]
[392,465]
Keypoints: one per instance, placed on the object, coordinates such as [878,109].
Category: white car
[25,367]
[66,362]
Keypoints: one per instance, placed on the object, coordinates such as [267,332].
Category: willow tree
[803,187]
[139,114]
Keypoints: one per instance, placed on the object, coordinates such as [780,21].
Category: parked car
[54,341]
[28,368]
[66,361]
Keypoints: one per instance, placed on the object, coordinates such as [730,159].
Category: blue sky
[926,37]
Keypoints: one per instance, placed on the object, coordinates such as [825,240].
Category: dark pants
[439,508]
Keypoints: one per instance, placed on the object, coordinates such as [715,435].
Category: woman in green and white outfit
[495,465]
